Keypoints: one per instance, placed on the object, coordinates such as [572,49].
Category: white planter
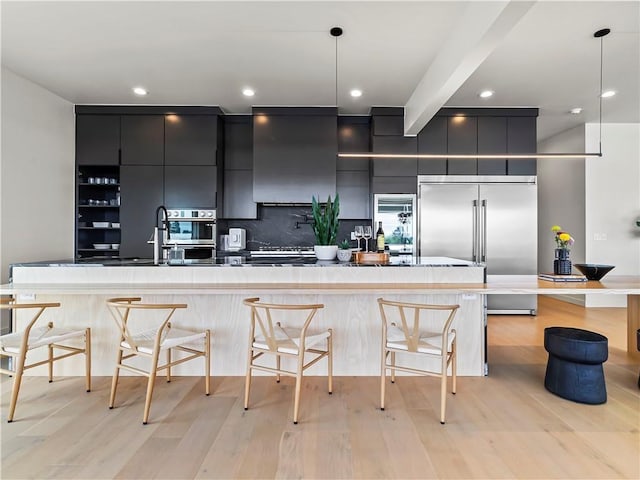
[344,255]
[325,252]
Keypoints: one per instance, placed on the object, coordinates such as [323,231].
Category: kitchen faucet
[158,240]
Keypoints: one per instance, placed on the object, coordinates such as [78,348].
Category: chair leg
[114,380]
[87,357]
[393,364]
[330,359]
[207,367]
[454,374]
[50,363]
[168,363]
[383,377]
[247,382]
[296,399]
[150,384]
[278,368]
[17,381]
[443,389]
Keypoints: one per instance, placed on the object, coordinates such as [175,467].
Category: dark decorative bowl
[593,271]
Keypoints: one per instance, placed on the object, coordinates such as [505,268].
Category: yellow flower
[556,228]
[565,237]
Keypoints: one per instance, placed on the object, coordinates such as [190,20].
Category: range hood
[294,154]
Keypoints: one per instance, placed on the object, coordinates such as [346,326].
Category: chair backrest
[121,308]
[411,314]
[11,304]
[266,316]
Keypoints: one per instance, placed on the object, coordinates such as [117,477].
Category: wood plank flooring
[502,426]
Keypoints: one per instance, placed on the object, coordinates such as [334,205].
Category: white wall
[36,174]
[613,202]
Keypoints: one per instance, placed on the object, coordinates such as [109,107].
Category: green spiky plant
[344,245]
[325,220]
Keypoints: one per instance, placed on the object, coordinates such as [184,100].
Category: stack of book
[550,277]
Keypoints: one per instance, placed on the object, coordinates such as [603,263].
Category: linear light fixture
[599,34]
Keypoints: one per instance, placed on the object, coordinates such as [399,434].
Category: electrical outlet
[599,236]
[26,297]
[353,235]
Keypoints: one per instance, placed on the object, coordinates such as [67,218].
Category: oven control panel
[191,214]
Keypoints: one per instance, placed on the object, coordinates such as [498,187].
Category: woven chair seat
[288,339]
[429,342]
[175,337]
[38,337]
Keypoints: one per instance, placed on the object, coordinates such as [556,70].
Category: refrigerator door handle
[474,243]
[483,226]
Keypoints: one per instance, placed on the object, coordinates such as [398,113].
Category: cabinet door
[353,188]
[492,138]
[140,195]
[238,143]
[354,136]
[98,139]
[238,195]
[395,167]
[190,139]
[388,125]
[433,139]
[521,138]
[190,187]
[142,139]
[394,185]
[462,138]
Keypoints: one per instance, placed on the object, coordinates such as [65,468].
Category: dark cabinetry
[352,175]
[190,139]
[294,154]
[432,139]
[462,138]
[142,139]
[492,139]
[97,139]
[238,169]
[522,138]
[193,186]
[141,193]
[98,218]
[393,167]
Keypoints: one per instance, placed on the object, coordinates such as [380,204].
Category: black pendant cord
[601,57]
[336,72]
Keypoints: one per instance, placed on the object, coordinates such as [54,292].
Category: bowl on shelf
[593,271]
[115,246]
[101,224]
[115,225]
[102,246]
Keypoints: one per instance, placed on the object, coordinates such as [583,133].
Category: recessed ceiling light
[608,93]
[486,93]
[140,91]
[356,92]
[576,111]
[248,92]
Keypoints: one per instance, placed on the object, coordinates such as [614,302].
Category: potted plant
[344,251]
[325,227]
[562,264]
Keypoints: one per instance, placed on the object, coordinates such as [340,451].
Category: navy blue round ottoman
[574,368]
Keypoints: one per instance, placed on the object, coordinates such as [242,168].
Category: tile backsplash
[284,226]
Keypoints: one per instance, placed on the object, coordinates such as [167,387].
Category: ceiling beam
[480,30]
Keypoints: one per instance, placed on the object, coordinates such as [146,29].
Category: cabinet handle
[474,243]
[483,252]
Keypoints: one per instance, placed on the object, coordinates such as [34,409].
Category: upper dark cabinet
[190,139]
[97,139]
[354,136]
[142,139]
[238,143]
[388,125]
[433,139]
[393,167]
[522,138]
[492,139]
[294,155]
[190,186]
[462,138]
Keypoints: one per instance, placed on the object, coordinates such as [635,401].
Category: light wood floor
[502,426]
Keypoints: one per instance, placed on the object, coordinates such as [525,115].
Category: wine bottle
[380,238]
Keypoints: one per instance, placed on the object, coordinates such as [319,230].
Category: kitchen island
[214,293]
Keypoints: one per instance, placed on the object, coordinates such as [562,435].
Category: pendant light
[599,34]
[335,33]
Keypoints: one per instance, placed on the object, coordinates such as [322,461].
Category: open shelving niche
[97,200]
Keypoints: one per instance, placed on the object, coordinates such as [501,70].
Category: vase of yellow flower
[562,263]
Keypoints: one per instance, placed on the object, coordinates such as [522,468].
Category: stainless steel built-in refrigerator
[488,219]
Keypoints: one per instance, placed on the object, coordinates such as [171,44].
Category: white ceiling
[204,53]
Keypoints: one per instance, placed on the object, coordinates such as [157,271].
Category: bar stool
[278,339]
[16,345]
[150,343]
[435,342]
